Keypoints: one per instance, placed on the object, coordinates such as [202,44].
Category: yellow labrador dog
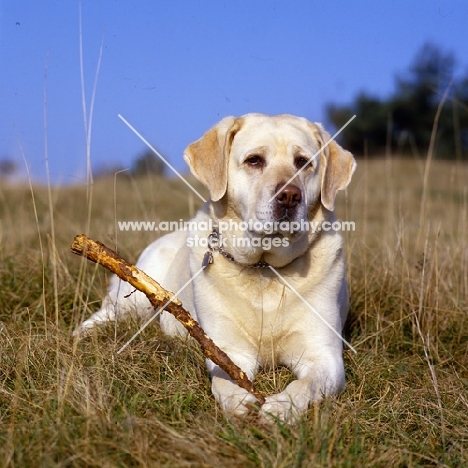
[272,289]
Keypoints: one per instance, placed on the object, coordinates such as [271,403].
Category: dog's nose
[288,196]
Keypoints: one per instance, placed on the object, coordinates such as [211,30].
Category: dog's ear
[208,157]
[338,168]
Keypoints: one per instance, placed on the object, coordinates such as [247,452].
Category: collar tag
[207,259]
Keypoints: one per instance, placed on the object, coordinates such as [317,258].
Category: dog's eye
[255,160]
[301,161]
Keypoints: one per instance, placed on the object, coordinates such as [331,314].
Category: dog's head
[270,168]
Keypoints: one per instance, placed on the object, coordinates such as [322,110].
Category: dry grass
[64,403]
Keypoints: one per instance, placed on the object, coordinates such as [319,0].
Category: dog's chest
[257,304]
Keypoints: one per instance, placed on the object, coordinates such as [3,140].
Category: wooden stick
[158,296]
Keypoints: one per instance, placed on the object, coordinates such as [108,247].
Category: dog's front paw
[281,407]
[239,405]
[234,400]
[289,405]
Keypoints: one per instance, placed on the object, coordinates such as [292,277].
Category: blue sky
[174,68]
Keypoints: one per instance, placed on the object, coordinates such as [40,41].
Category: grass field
[68,403]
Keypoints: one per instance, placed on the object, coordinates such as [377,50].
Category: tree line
[405,122]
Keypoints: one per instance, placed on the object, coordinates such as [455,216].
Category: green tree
[405,120]
[148,163]
[364,134]
[8,167]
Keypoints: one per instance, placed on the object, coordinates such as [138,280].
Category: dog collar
[214,244]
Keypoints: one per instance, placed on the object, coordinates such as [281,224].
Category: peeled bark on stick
[158,296]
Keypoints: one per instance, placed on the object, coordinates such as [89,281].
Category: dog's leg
[122,300]
[316,379]
[234,400]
